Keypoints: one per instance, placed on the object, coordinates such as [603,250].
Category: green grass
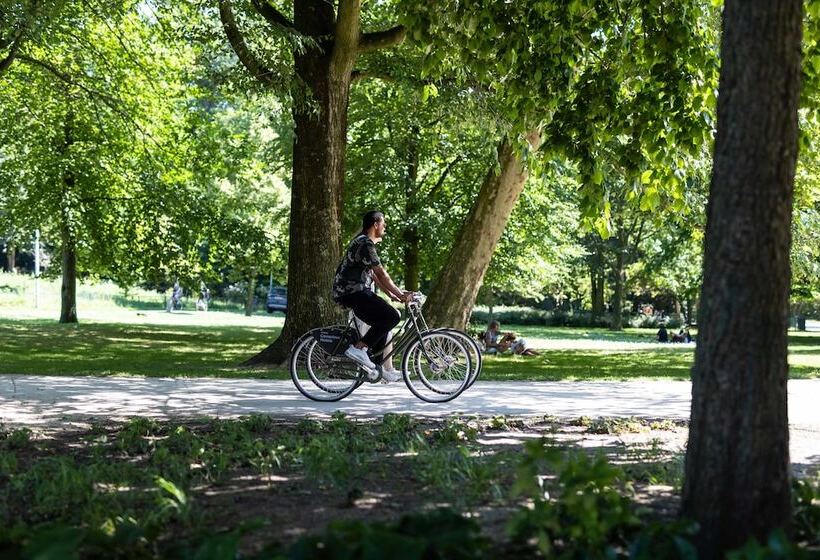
[120,335]
[215,350]
[48,348]
[581,365]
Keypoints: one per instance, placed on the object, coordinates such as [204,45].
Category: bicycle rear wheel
[320,376]
[437,366]
[476,358]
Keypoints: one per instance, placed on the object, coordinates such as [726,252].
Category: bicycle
[436,364]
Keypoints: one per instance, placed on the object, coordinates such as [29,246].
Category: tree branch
[13,50]
[443,177]
[272,15]
[382,39]
[358,75]
[237,41]
[345,39]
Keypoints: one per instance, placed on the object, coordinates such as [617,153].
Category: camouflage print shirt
[354,272]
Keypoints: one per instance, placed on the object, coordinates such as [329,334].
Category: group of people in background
[175,301]
[681,336]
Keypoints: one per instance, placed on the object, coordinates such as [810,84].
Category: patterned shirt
[354,272]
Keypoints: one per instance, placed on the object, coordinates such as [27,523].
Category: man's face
[381,227]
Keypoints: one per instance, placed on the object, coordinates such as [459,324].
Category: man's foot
[391,375]
[359,356]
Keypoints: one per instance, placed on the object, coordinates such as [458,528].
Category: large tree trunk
[318,180]
[737,462]
[457,285]
[68,290]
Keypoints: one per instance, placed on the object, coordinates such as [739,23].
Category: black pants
[374,311]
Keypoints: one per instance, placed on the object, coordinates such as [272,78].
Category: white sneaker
[359,356]
[391,375]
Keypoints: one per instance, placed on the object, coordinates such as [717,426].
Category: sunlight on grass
[135,339]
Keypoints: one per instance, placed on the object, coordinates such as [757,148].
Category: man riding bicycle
[353,288]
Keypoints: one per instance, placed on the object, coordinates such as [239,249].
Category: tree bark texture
[737,464]
[320,142]
[453,295]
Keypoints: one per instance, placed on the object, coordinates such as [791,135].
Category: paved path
[49,401]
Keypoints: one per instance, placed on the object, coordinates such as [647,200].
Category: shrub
[529,316]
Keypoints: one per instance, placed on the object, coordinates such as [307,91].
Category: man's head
[374,222]
[494,326]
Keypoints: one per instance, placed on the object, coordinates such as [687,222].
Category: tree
[635,73]
[326,43]
[737,461]
[83,132]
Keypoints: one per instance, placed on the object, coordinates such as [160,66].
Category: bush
[654,321]
[531,316]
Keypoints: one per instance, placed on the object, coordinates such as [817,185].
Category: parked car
[277,299]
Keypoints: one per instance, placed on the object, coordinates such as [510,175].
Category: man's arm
[384,282]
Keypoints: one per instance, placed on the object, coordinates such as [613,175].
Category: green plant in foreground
[577,509]
[438,535]
[806,504]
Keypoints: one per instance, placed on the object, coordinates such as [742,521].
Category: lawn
[157,344]
[130,334]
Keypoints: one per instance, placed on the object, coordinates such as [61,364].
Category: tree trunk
[319,145]
[597,285]
[68,290]
[457,285]
[251,295]
[690,307]
[11,257]
[737,464]
[620,284]
[411,232]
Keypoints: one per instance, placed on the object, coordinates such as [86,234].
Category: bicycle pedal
[372,375]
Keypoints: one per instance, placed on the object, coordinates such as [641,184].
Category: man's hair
[370,219]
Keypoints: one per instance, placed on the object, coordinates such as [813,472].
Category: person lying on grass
[496,343]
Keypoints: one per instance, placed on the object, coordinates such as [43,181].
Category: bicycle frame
[411,330]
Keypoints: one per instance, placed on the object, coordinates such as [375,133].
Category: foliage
[806,504]
[442,534]
[578,509]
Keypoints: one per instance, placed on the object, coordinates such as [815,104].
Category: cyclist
[353,288]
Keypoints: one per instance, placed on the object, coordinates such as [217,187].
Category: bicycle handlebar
[417,299]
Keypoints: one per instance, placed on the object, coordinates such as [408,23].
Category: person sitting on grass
[519,345]
[492,344]
[663,334]
[497,343]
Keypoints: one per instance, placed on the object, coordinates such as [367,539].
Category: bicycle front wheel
[437,366]
[320,376]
